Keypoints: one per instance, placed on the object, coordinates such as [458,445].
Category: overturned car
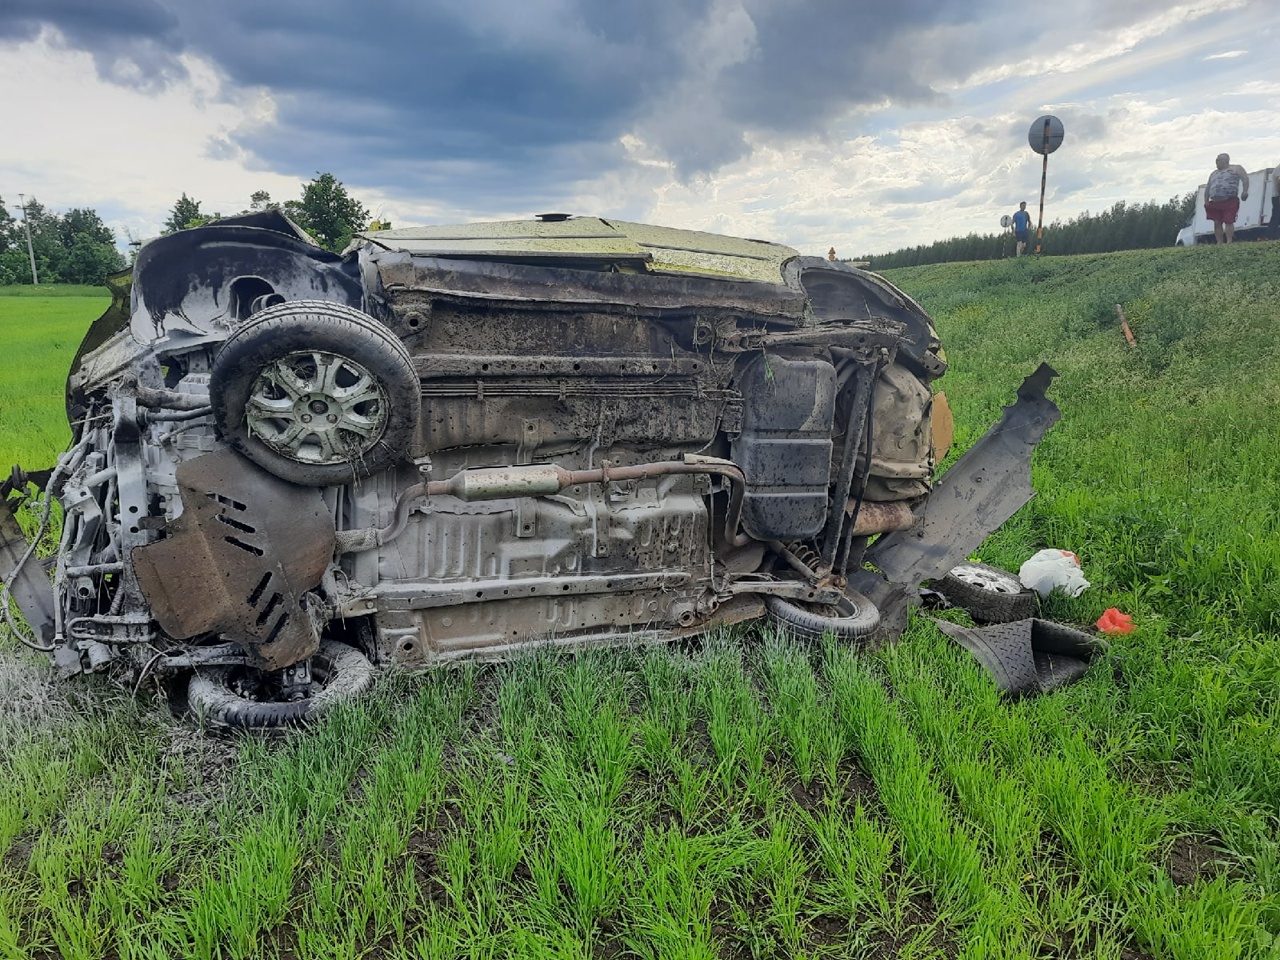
[290,467]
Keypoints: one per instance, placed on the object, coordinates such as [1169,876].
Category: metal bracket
[791,589]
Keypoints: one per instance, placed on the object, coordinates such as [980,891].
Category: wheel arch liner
[239,559]
[1030,656]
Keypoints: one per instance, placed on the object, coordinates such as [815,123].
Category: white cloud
[1103,44]
[76,141]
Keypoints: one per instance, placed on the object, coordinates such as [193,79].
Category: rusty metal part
[540,480]
[165,399]
[792,560]
[869,360]
[981,491]
[791,589]
[127,628]
[214,655]
[876,517]
[239,559]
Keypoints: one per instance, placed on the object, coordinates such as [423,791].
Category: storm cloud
[531,96]
[814,121]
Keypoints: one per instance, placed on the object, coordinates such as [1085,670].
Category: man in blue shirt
[1022,227]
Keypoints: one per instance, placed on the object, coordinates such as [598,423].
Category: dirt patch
[200,767]
[17,856]
[1191,858]
[29,697]
[423,846]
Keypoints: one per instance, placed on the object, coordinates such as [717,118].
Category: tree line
[1123,227]
[77,247]
[71,247]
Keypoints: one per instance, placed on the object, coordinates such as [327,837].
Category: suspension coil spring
[805,553]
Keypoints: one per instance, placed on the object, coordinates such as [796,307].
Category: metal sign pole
[1045,136]
[1044,176]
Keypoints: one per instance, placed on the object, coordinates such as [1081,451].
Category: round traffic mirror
[1045,135]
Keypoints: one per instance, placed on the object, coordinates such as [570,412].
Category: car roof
[637,246]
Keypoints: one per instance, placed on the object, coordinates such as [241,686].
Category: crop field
[745,796]
[38,337]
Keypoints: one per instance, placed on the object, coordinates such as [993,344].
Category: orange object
[1114,622]
[1124,325]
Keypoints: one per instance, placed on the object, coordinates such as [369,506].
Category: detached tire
[853,618]
[316,393]
[240,698]
[991,595]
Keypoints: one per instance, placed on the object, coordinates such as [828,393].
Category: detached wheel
[248,699]
[853,618]
[991,595]
[317,393]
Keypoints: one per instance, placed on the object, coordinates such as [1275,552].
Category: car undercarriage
[291,468]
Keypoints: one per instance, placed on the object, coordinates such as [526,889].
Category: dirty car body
[453,442]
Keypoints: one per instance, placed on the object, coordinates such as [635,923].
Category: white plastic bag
[1053,568]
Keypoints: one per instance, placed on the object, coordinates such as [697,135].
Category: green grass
[47,290]
[38,339]
[745,796]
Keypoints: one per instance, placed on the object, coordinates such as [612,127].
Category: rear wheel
[853,618]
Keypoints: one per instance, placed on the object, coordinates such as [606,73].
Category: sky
[859,125]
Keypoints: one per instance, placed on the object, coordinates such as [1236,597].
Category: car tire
[316,393]
[991,595]
[216,695]
[853,618]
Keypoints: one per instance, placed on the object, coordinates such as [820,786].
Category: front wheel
[853,618]
[244,698]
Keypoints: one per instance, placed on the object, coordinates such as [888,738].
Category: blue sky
[864,126]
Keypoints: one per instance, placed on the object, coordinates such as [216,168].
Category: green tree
[185,213]
[76,247]
[83,222]
[1123,227]
[328,212]
[85,260]
[260,200]
[6,227]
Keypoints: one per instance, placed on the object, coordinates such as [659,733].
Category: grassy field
[38,337]
[745,796]
[45,291]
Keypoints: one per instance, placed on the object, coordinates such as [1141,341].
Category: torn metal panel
[239,559]
[528,285]
[31,588]
[982,490]
[635,246]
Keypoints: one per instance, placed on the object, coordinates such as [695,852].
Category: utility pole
[35,280]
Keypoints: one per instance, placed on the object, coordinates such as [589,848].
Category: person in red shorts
[1221,203]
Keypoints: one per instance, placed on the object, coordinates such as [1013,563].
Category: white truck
[1255,218]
